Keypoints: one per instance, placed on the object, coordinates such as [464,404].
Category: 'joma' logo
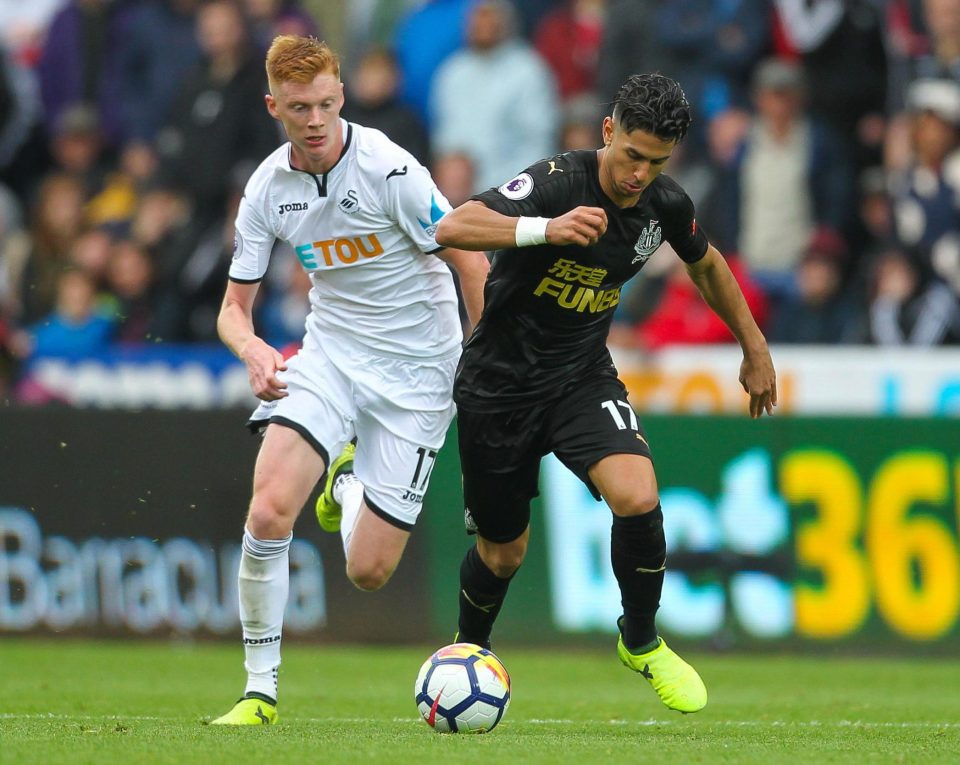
[293,207]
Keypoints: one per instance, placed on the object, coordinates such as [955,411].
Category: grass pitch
[129,702]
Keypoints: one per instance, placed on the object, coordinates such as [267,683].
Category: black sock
[638,551]
[481,595]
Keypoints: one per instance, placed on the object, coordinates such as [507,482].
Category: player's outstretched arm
[719,288]
[474,226]
[472,269]
[235,327]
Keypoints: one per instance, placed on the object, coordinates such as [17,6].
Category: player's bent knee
[269,518]
[504,559]
[369,577]
[636,504]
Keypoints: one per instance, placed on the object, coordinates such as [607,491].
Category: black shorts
[500,452]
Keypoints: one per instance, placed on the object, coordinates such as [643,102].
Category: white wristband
[531,231]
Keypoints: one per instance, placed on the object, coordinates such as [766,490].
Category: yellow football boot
[250,711]
[676,682]
[329,511]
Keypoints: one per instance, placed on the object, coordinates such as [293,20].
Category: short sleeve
[542,190]
[681,229]
[417,205]
[252,243]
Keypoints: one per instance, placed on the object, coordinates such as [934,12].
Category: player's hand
[759,380]
[582,226]
[263,362]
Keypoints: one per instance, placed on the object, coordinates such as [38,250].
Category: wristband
[531,231]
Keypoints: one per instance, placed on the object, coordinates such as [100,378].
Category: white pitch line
[535,721]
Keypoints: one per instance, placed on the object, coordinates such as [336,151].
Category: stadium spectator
[76,145]
[531,13]
[57,218]
[569,39]
[939,56]
[925,193]
[442,22]
[14,253]
[578,125]
[80,61]
[156,54]
[190,254]
[906,308]
[822,311]
[454,176]
[874,227]
[496,99]
[23,26]
[75,327]
[217,120]
[372,23]
[712,48]
[76,148]
[630,43]
[90,252]
[842,36]
[269,18]
[19,105]
[130,281]
[788,178]
[935,57]
[374,102]
[681,317]
[23,149]
[285,305]
[727,133]
[160,214]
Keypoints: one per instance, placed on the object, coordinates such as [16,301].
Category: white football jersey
[364,231]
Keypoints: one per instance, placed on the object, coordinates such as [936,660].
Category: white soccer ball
[462,688]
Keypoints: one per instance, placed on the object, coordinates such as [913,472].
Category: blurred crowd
[823,158]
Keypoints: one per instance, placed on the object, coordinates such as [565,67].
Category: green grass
[131,702]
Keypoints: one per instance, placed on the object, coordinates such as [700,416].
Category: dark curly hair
[653,103]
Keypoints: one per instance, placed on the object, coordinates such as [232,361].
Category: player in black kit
[536,376]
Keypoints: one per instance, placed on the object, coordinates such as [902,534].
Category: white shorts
[398,410]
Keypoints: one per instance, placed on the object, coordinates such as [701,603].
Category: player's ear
[271,103]
[607,131]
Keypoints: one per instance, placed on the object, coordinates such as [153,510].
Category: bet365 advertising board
[836,530]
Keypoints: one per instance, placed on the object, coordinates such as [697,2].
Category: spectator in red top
[569,39]
[683,318]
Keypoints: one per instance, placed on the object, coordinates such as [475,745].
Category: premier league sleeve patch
[517,188]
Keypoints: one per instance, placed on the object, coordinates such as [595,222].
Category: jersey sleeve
[253,242]
[681,229]
[416,204]
[542,190]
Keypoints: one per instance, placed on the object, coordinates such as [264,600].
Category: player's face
[630,161]
[310,114]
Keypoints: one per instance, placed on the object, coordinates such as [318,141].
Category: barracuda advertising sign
[125,523]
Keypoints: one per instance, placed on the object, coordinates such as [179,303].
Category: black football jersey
[547,308]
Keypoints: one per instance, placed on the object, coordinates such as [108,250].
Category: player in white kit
[378,358]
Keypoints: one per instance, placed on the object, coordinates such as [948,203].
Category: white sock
[263,584]
[348,491]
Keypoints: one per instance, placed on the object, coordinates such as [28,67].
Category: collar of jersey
[346,130]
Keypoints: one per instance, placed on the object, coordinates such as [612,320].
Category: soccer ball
[462,688]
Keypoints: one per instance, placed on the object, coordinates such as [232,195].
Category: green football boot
[250,710]
[329,511]
[677,683]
